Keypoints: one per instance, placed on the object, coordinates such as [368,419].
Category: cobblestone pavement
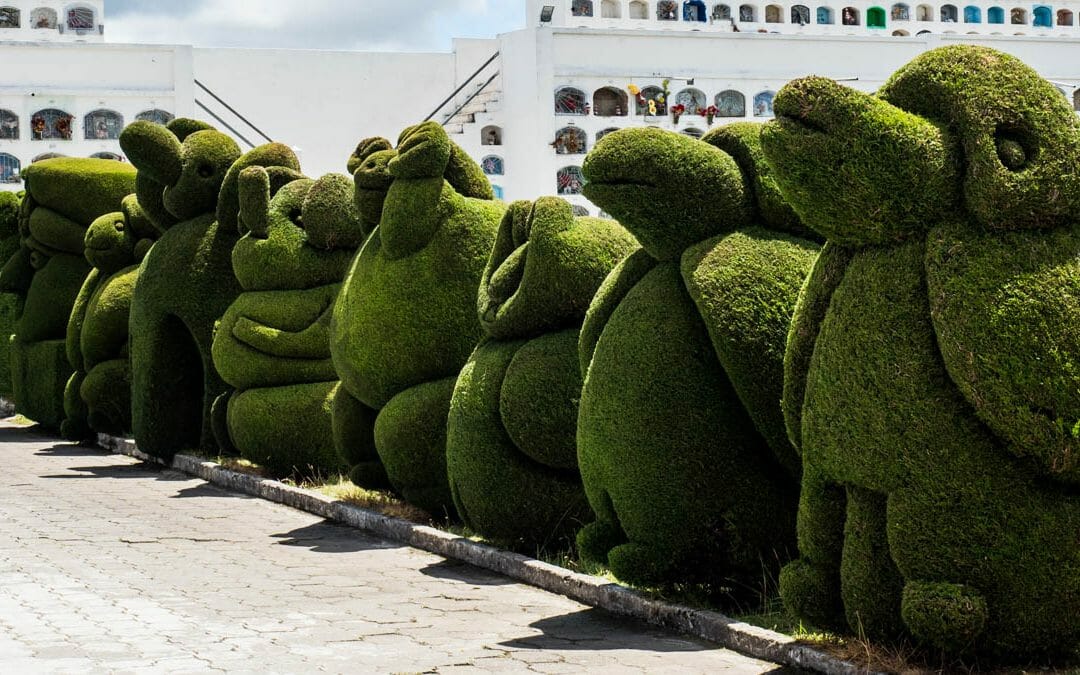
[107,564]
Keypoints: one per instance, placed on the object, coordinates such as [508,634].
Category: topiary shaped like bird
[680,434]
[933,366]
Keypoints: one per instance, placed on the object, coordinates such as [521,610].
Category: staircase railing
[464,84]
[234,111]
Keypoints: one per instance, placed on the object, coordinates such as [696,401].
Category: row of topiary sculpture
[691,395]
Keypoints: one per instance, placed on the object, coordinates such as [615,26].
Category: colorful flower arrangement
[677,111]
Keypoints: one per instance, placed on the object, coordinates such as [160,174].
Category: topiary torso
[932,377]
[681,345]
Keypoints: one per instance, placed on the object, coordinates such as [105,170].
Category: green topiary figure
[273,344]
[10,303]
[189,186]
[98,394]
[63,197]
[405,321]
[511,450]
[680,433]
[933,366]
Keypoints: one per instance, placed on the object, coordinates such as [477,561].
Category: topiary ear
[254,193]
[742,140]
[423,152]
[185,126]
[269,155]
[153,150]
[365,149]
[466,176]
[331,219]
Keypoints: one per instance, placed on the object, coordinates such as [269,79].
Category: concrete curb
[593,591]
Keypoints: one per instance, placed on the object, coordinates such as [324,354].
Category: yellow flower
[634,89]
[652,107]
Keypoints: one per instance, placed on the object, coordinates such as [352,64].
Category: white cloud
[416,25]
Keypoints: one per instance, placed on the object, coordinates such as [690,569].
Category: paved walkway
[107,564]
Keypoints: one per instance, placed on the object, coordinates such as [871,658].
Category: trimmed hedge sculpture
[189,187]
[511,451]
[63,197]
[10,303]
[97,398]
[273,344]
[405,320]
[933,366]
[680,433]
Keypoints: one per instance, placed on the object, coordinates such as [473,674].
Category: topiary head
[300,235]
[1019,136]
[280,162]
[425,151]
[668,189]
[110,243]
[370,167]
[857,169]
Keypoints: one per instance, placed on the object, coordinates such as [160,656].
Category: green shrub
[272,346]
[407,312]
[934,360]
[10,303]
[64,196]
[683,346]
[186,282]
[511,449]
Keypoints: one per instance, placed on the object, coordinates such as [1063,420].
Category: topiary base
[39,374]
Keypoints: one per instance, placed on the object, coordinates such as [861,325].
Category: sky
[369,25]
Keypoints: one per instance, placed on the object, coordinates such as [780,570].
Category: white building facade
[527,104]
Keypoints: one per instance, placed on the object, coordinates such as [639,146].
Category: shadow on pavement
[455,570]
[593,629]
[71,450]
[328,537]
[140,470]
[202,490]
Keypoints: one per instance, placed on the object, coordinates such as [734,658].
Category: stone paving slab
[111,565]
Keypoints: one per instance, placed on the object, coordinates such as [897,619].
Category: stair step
[454,128]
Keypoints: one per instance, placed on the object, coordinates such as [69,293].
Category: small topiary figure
[680,434]
[273,344]
[405,321]
[189,186]
[63,197]
[10,303]
[933,366]
[511,450]
[98,394]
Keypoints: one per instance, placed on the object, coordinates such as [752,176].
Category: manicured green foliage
[511,449]
[272,346]
[406,315]
[10,303]
[64,196]
[98,394]
[933,360]
[186,282]
[680,436]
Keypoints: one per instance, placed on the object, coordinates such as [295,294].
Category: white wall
[324,102]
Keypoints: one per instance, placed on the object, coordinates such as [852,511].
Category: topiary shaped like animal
[63,197]
[273,344]
[97,398]
[188,185]
[680,434]
[10,303]
[933,366]
[405,321]
[511,451]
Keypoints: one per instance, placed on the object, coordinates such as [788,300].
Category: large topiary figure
[98,394]
[188,183]
[63,197]
[273,344]
[933,366]
[511,450]
[10,303]
[405,321]
[680,434]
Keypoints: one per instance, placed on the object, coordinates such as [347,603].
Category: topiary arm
[806,322]
[1006,312]
[153,149]
[423,152]
[272,329]
[57,232]
[624,277]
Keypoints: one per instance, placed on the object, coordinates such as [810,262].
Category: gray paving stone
[113,565]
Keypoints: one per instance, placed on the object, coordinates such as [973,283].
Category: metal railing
[463,85]
[235,112]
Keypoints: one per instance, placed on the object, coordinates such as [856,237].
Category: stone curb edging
[589,590]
